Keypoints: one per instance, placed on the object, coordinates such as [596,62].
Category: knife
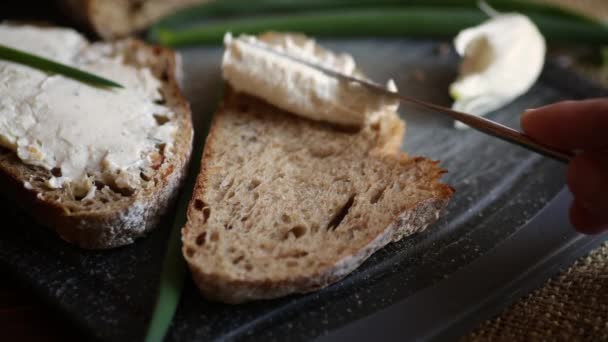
[478,123]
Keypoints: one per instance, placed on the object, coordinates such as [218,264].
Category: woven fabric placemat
[572,306]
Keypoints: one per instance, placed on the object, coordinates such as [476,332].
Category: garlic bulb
[503,58]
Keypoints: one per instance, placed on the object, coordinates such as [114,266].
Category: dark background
[23,315]
[124,278]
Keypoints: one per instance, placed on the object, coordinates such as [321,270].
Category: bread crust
[228,289]
[138,213]
[112,19]
[235,291]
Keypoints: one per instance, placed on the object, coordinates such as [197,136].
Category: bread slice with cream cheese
[116,203]
[287,204]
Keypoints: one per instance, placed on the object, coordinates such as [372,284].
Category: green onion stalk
[396,22]
[239,8]
[207,23]
[174,266]
[37,62]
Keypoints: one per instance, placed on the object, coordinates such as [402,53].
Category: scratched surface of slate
[109,294]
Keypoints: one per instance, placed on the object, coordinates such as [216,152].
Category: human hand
[578,126]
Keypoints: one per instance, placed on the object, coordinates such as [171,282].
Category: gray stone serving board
[499,187]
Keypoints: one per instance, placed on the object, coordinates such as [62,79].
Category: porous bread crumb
[286,205]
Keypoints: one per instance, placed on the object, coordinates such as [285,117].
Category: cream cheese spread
[503,58]
[298,88]
[80,132]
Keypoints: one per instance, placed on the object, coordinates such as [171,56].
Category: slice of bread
[111,217]
[287,205]
[119,18]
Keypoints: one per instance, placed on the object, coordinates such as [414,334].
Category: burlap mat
[573,306]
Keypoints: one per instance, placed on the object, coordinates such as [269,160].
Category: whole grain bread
[112,19]
[286,205]
[112,217]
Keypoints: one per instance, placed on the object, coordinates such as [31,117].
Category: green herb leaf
[386,22]
[25,58]
[239,8]
[174,265]
[172,277]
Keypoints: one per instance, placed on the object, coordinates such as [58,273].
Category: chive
[388,22]
[174,267]
[238,8]
[172,279]
[21,57]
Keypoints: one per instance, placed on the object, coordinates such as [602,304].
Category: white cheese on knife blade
[296,87]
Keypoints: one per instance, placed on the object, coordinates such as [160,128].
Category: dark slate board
[110,294]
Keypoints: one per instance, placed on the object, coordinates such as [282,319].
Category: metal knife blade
[479,123]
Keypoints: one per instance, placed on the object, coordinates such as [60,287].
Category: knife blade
[478,123]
